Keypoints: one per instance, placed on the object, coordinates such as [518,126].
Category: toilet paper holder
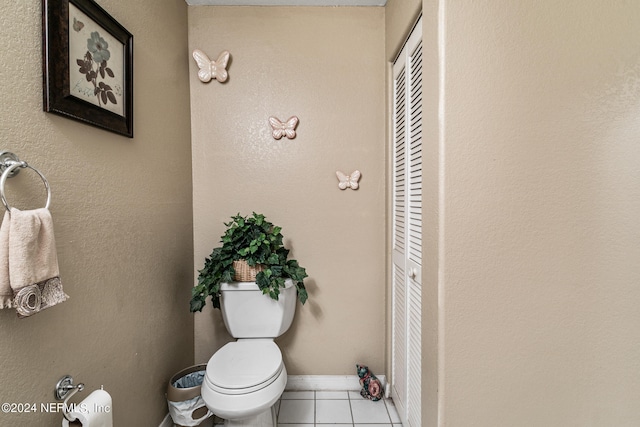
[65,388]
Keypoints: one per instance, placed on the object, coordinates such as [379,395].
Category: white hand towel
[34,277]
[6,293]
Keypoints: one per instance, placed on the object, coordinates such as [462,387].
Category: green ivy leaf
[196,305]
[277,270]
[227,276]
[302,294]
[259,218]
[262,281]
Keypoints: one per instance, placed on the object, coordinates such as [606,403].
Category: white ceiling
[288,2]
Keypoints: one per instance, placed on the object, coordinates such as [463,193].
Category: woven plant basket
[245,272]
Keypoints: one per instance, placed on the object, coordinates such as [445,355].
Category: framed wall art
[87,65]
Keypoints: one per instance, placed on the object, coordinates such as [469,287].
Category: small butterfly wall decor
[348,181]
[281,129]
[211,69]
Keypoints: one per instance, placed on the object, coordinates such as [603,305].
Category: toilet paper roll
[94,411]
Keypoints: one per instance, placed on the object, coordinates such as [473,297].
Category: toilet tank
[248,313]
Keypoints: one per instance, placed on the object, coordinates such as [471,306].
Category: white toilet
[245,378]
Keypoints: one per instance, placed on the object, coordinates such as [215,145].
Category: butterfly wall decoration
[209,69]
[281,129]
[348,181]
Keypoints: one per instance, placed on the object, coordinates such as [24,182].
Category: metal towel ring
[9,171]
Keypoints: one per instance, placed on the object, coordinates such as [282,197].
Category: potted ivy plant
[258,243]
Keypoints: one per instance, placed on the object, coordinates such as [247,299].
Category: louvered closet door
[407,230]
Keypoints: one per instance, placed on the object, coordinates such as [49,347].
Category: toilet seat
[244,366]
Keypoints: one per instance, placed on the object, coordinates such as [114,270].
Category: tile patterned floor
[336,408]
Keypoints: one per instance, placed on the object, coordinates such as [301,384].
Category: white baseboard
[167,422]
[326,382]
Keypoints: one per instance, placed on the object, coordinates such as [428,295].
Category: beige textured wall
[122,215]
[541,207]
[539,191]
[325,65]
[400,15]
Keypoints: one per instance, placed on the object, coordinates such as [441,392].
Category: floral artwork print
[96,63]
[97,56]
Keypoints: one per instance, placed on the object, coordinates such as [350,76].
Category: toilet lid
[245,364]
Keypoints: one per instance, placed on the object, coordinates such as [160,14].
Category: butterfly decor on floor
[348,181]
[209,69]
[281,129]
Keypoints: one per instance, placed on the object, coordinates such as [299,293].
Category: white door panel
[407,230]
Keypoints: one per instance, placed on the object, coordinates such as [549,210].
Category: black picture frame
[87,86]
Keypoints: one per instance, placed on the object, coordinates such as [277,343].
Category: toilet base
[267,418]
[244,406]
